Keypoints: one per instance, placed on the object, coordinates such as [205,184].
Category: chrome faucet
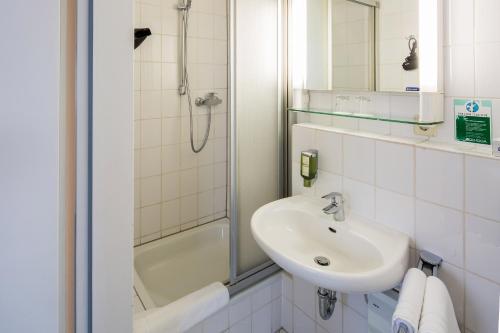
[336,207]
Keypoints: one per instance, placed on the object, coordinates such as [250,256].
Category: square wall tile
[240,310]
[276,315]
[170,214]
[170,103]
[459,22]
[482,245]
[359,198]
[459,70]
[454,279]
[329,147]
[171,131]
[301,322]
[261,319]
[440,231]
[151,133]
[481,304]
[304,296]
[189,209]
[353,322]
[189,182]
[359,158]
[303,138]
[482,182]
[486,20]
[326,183]
[396,211]
[287,314]
[150,190]
[488,68]
[440,177]
[395,167]
[170,158]
[150,104]
[205,204]
[243,326]
[261,297]
[171,186]
[150,220]
[150,76]
[357,302]
[217,323]
[287,286]
[150,162]
[321,100]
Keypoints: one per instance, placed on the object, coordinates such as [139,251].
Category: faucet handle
[334,196]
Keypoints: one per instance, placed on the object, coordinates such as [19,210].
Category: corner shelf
[389,119]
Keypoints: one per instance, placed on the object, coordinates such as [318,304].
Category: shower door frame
[238,282]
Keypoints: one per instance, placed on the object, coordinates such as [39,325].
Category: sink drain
[322,261]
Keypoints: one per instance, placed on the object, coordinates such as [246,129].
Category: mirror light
[299,53]
[430,37]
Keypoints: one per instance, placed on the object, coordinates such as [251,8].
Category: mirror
[361,45]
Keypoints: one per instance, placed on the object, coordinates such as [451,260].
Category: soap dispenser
[309,166]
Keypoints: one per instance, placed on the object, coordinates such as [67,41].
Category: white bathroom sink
[364,257]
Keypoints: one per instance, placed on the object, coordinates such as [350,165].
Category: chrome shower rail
[183,72]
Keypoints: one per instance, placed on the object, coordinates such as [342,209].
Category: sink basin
[363,256]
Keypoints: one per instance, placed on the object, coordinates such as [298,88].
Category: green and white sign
[473,121]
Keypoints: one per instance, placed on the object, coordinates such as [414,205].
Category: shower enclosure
[208,142]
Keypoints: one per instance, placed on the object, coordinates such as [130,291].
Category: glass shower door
[256,144]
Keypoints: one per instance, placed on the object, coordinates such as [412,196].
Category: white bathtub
[172,267]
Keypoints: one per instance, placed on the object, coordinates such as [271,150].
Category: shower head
[140,35]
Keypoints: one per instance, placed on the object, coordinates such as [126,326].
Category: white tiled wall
[176,189]
[445,199]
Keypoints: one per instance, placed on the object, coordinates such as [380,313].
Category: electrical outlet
[429,131]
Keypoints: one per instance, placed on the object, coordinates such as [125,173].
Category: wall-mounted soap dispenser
[309,166]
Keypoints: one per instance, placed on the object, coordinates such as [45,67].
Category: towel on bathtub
[183,314]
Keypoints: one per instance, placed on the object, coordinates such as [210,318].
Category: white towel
[411,298]
[438,315]
[185,313]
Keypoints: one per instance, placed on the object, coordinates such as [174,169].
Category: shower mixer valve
[211,99]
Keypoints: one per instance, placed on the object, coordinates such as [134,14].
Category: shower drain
[322,261]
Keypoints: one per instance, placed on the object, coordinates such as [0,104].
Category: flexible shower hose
[185,22]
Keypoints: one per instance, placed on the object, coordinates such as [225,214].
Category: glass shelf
[364,116]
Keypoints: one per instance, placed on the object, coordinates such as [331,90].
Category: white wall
[31,247]
[112,166]
[176,189]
